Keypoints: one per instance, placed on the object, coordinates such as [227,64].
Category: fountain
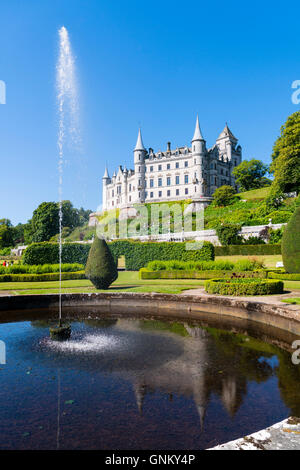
[67,112]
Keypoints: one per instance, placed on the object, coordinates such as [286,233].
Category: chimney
[168,146]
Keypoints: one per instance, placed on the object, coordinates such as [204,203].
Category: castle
[183,173]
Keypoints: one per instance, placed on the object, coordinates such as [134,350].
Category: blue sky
[154,64]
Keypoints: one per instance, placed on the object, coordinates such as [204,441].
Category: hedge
[41,277]
[246,250]
[244,287]
[284,276]
[48,253]
[144,273]
[137,254]
[41,268]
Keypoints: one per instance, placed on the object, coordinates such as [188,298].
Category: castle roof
[139,143]
[106,175]
[227,133]
[197,133]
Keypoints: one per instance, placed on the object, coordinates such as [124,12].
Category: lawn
[128,281]
[260,193]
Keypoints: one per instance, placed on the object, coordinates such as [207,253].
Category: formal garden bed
[238,287]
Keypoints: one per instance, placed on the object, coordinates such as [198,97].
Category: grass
[293,301]
[255,194]
[269,260]
[128,281]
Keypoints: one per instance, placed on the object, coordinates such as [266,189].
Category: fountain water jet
[67,126]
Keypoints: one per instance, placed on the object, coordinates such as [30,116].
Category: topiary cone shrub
[101,268]
[290,245]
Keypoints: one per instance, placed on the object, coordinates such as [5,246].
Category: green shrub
[144,273]
[101,268]
[248,250]
[248,265]
[224,196]
[275,236]
[228,234]
[278,217]
[48,253]
[284,276]
[41,277]
[254,241]
[137,254]
[40,268]
[291,244]
[241,265]
[238,287]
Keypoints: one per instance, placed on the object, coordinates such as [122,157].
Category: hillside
[247,210]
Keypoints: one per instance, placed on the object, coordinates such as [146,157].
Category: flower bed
[244,286]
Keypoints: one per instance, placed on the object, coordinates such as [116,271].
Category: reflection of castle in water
[202,369]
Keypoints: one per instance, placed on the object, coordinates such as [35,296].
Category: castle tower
[226,143]
[199,151]
[105,181]
[139,166]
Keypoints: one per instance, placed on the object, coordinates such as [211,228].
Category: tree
[6,238]
[224,196]
[45,222]
[71,217]
[286,157]
[251,175]
[84,215]
[101,268]
[228,234]
[290,245]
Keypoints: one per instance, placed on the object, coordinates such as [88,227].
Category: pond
[129,383]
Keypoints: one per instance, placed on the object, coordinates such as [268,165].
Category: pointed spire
[139,143]
[197,133]
[106,175]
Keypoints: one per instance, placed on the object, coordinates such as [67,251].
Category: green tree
[101,268]
[6,238]
[224,196]
[290,245]
[71,216]
[45,222]
[251,175]
[228,234]
[286,157]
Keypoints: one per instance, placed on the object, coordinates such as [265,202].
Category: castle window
[168,181]
[195,189]
[186,164]
[186,191]
[159,181]
[177,179]
[139,194]
[186,179]
[168,166]
[151,168]
[112,193]
[129,198]
[194,148]
[177,164]
[194,161]
[159,167]
[177,192]
[130,188]
[159,193]
[151,183]
[139,168]
[151,194]
[112,203]
[168,193]
[139,182]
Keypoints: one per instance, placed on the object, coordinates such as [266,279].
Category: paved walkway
[267,299]
[281,436]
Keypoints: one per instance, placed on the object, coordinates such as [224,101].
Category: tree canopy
[250,174]
[286,157]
